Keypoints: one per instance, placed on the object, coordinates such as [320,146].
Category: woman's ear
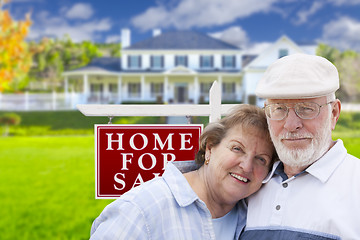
[208,151]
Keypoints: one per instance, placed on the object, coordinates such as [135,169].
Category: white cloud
[80,11]
[344,2]
[201,13]
[57,27]
[343,33]
[257,48]
[303,15]
[233,35]
[113,39]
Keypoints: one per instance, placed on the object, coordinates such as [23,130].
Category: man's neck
[293,171]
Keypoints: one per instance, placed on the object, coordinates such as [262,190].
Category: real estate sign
[129,155]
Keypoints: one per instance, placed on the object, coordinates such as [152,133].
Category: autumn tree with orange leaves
[15,56]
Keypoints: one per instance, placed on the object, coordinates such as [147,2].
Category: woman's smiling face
[238,164]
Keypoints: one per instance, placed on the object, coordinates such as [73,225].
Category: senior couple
[309,188]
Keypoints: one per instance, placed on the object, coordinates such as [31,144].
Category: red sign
[129,155]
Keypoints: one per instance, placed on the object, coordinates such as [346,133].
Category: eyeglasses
[304,110]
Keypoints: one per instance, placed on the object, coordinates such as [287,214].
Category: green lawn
[47,183]
[47,187]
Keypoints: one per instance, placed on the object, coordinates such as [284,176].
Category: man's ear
[335,113]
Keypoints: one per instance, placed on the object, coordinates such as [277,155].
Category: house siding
[187,80]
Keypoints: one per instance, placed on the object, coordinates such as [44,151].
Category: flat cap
[298,76]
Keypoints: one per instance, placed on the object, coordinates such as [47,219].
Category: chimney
[156,32]
[125,38]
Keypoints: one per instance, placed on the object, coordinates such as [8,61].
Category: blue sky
[250,24]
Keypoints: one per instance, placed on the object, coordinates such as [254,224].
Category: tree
[15,56]
[58,55]
[348,65]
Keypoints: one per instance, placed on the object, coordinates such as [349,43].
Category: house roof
[104,64]
[182,40]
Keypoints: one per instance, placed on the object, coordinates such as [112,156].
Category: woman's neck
[199,184]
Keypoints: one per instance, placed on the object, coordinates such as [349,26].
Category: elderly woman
[235,156]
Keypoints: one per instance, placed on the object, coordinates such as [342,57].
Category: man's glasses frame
[304,110]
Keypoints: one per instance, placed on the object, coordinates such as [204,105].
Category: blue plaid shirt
[162,208]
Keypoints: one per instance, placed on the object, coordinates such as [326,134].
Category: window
[134,90]
[283,53]
[181,60]
[204,88]
[134,61]
[228,87]
[96,87]
[206,61]
[228,61]
[113,88]
[157,62]
[228,91]
[157,89]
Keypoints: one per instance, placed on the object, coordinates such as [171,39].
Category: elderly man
[313,192]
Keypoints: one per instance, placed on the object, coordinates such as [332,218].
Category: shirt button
[285,185]
[278,207]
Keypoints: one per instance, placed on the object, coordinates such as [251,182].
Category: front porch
[166,87]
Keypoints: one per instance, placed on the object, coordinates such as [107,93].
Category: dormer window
[157,62]
[181,61]
[228,61]
[134,62]
[283,52]
[206,61]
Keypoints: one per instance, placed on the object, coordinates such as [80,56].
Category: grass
[47,187]
[67,123]
[47,182]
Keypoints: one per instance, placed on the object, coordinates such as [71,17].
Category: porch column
[142,87]
[166,91]
[106,93]
[196,89]
[220,83]
[85,88]
[119,89]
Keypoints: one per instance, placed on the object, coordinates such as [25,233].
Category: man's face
[300,142]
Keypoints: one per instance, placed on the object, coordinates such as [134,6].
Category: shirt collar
[321,169]
[179,186]
[272,172]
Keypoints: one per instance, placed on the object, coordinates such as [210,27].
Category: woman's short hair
[247,116]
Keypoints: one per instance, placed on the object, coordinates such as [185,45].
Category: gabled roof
[186,40]
[254,62]
[104,64]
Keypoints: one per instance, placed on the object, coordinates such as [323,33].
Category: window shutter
[128,63]
[186,61]
[223,61]
[211,61]
[162,61]
[201,61]
[234,61]
[139,61]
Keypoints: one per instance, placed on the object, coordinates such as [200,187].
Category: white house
[253,71]
[175,67]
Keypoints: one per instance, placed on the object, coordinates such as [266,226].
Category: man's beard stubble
[303,157]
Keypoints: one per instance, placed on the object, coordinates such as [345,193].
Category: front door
[181,93]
